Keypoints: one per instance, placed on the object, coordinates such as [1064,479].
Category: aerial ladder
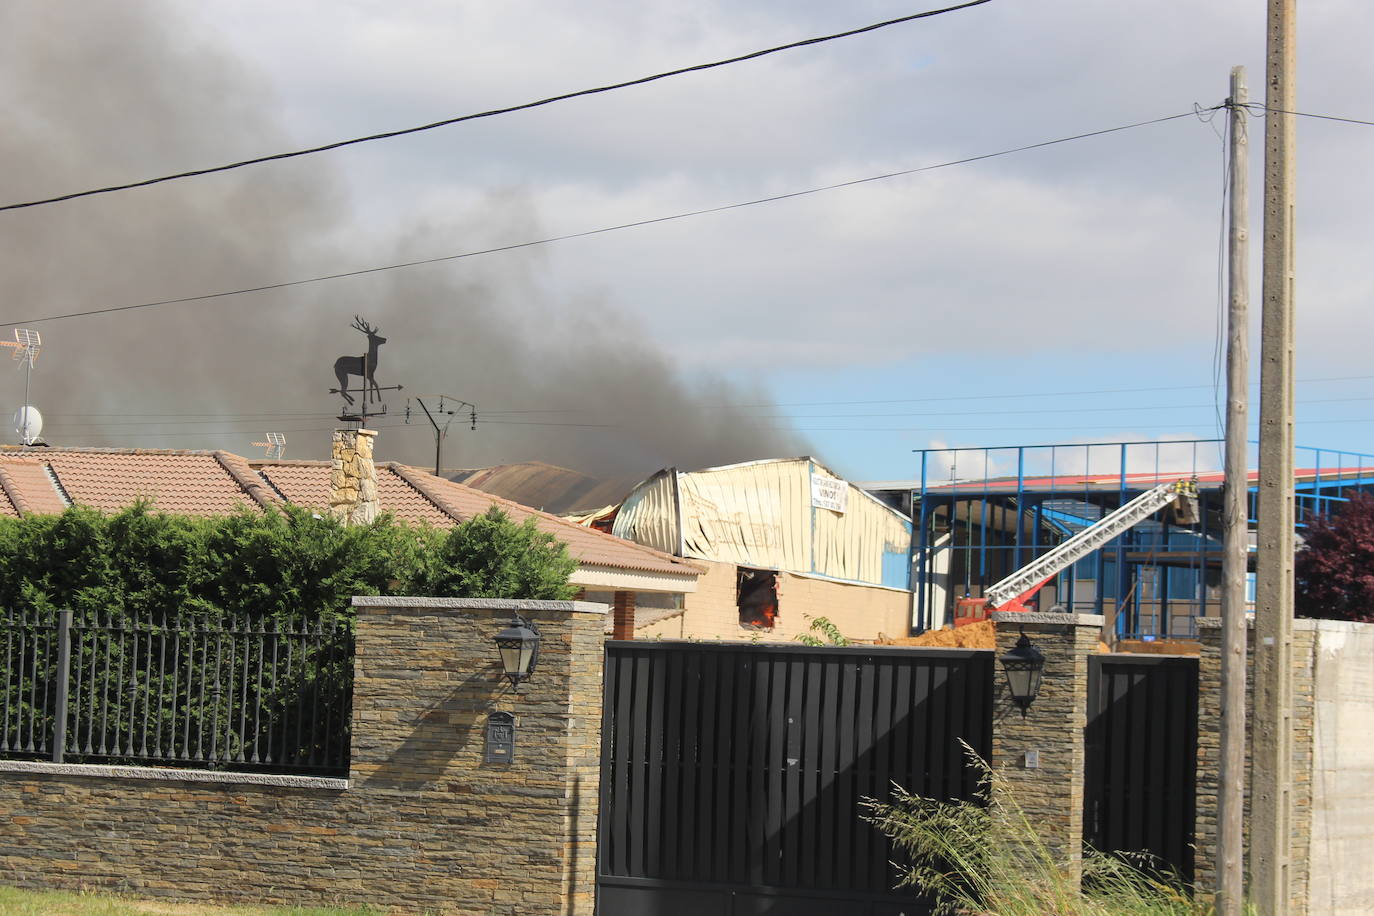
[1012,593]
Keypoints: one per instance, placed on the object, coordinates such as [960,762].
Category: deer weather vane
[365,367]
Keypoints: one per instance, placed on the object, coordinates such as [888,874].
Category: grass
[985,858]
[18,902]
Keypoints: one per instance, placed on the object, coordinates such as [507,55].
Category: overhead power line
[1259,107]
[387,135]
[514,246]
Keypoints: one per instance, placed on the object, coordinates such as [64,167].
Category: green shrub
[278,564]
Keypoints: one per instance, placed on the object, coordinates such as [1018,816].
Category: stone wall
[422,822]
[1209,753]
[1049,789]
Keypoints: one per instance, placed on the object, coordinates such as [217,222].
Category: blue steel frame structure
[980,513]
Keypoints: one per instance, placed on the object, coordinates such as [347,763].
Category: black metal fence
[1140,792]
[732,775]
[233,694]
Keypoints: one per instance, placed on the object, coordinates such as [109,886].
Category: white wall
[1342,853]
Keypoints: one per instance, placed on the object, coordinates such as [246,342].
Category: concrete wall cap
[1332,626]
[102,771]
[1048,618]
[1214,623]
[480,604]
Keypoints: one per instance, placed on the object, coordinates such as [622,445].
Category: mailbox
[500,737]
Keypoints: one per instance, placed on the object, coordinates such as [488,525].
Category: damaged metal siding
[649,515]
[760,514]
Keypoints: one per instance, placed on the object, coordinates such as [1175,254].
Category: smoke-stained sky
[100,92]
[1010,300]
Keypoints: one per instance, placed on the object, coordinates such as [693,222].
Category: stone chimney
[353,480]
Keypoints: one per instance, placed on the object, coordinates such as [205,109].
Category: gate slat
[1118,729]
[935,734]
[863,767]
[684,864]
[639,755]
[846,814]
[740,851]
[704,839]
[810,776]
[725,782]
[882,757]
[792,758]
[654,826]
[830,699]
[775,783]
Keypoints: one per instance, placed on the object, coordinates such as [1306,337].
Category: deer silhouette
[361,366]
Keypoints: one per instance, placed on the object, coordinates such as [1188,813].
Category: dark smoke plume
[101,93]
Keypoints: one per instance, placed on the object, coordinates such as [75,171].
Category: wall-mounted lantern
[1024,665]
[519,648]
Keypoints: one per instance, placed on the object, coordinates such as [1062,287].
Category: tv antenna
[275,445]
[26,346]
[440,434]
[358,410]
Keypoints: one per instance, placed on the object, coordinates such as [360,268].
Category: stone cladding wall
[421,824]
[1209,754]
[353,477]
[1050,794]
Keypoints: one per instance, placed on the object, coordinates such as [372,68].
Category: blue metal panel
[897,569]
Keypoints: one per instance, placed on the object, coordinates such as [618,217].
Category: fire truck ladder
[1014,591]
[1027,580]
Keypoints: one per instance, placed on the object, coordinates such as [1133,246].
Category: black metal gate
[731,775]
[1141,768]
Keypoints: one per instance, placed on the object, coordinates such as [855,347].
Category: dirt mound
[980,635]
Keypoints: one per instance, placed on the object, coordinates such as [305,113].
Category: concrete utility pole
[1272,776]
[1231,782]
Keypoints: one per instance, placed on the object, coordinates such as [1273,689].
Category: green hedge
[284,563]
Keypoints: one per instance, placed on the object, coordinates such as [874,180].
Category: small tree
[1335,568]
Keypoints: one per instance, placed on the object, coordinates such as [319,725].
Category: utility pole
[1273,719]
[442,433]
[1236,537]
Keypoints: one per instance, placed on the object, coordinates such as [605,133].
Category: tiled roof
[589,546]
[189,482]
[213,483]
[27,488]
[418,496]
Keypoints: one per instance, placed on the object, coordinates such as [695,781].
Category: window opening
[756,593]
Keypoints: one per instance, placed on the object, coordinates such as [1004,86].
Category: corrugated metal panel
[757,514]
[760,514]
[869,542]
[649,514]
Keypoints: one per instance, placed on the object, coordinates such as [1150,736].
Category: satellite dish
[28,423]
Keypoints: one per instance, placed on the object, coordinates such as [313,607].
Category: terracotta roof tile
[28,488]
[194,483]
[587,545]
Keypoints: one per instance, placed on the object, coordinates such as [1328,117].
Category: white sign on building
[829,493]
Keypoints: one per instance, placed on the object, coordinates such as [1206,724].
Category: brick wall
[1050,794]
[421,823]
[1209,754]
[712,612]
